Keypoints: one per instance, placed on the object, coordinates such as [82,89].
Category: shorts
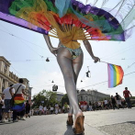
[118,102]
[74,52]
[7,105]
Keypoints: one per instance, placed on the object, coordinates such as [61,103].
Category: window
[5,69]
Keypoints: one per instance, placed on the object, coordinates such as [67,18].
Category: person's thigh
[65,62]
[77,64]
[68,66]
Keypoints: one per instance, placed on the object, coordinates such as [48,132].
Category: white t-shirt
[22,87]
[99,103]
[7,94]
[51,108]
[106,102]
[45,108]
[40,107]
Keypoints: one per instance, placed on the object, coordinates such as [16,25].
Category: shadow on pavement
[69,131]
[6,123]
[131,122]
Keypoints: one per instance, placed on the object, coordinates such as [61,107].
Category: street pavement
[104,122]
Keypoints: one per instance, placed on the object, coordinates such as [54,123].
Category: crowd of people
[114,102]
[13,106]
[8,113]
[51,109]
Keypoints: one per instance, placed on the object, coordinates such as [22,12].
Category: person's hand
[54,51]
[96,59]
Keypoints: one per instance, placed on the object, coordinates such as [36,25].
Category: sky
[27,52]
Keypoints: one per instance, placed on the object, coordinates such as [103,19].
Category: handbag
[12,99]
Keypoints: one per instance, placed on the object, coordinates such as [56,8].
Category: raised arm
[89,49]
[49,44]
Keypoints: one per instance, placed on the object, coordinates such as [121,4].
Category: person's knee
[68,76]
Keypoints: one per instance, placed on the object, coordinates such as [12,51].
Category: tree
[51,97]
[45,98]
[64,99]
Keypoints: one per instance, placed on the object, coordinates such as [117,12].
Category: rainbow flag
[115,75]
[18,103]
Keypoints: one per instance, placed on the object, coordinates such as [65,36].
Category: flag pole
[106,62]
[103,61]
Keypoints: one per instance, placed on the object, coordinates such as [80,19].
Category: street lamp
[47,59]
[88,72]
[55,87]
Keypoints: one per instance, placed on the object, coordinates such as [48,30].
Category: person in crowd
[113,102]
[1,110]
[32,112]
[8,93]
[85,106]
[118,100]
[36,111]
[90,107]
[45,110]
[51,109]
[82,106]
[40,109]
[123,102]
[56,108]
[65,107]
[99,105]
[60,109]
[106,104]
[127,95]
[19,106]
[27,108]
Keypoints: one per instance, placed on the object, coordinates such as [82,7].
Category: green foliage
[44,98]
[64,99]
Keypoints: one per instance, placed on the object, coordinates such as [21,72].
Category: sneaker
[3,121]
[9,120]
[15,120]
[22,118]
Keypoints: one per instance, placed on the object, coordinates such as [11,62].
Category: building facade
[59,96]
[28,89]
[91,96]
[7,77]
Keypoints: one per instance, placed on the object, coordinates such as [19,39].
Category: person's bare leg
[77,65]
[70,69]
[66,65]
